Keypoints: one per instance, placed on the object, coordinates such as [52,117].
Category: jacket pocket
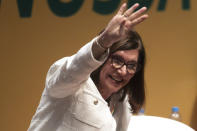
[89,110]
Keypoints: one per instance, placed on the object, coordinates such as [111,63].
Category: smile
[116,79]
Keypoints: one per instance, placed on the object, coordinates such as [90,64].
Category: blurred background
[36,33]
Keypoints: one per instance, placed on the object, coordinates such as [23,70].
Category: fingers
[138,20]
[137,13]
[122,9]
[131,9]
[134,18]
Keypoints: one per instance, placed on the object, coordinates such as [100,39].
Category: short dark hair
[135,88]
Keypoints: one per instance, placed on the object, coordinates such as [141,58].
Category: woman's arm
[65,75]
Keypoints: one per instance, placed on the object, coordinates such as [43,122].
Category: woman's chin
[113,85]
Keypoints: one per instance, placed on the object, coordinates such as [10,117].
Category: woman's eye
[131,66]
[119,62]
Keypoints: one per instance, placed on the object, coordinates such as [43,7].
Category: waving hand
[124,21]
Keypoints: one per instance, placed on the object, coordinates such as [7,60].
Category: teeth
[116,79]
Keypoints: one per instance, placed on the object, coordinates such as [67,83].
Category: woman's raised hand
[121,23]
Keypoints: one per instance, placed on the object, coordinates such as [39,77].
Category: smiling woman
[97,88]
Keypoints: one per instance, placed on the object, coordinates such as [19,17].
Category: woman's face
[113,77]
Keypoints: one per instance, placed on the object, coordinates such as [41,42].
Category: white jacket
[71,101]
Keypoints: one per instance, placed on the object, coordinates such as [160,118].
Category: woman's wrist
[97,50]
[104,40]
[99,44]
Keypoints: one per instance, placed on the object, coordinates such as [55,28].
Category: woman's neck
[104,92]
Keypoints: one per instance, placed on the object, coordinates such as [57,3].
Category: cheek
[128,79]
[103,73]
[106,69]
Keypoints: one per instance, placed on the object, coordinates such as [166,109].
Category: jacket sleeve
[65,75]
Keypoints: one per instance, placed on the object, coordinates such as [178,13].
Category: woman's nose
[123,70]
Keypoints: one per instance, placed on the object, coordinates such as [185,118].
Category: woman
[97,88]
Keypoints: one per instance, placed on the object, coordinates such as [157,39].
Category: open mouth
[117,80]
